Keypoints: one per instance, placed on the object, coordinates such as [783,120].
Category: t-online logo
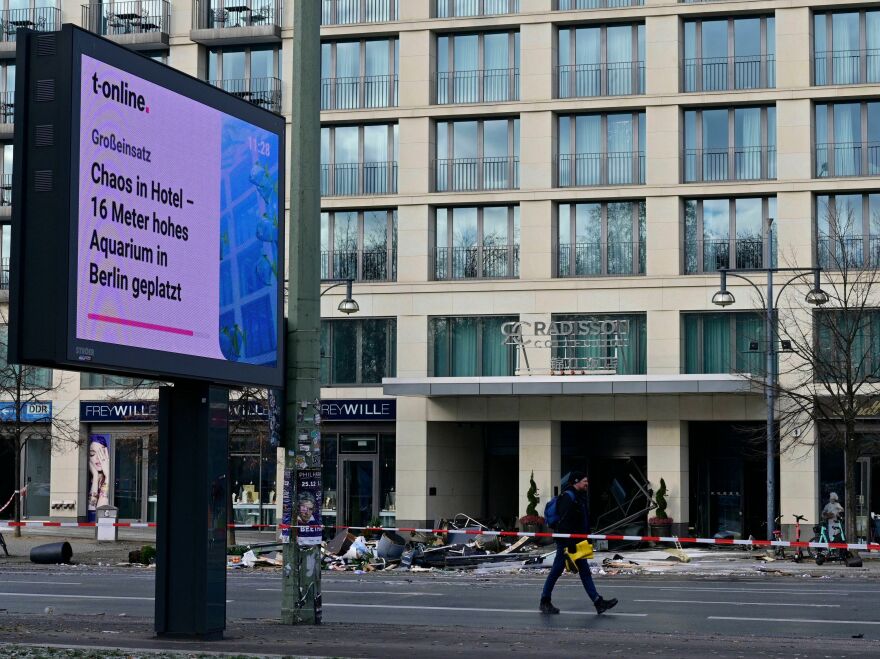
[120,93]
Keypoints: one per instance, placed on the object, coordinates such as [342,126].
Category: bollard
[106,530]
[51,554]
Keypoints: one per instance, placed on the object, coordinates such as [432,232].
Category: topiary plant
[532,496]
[660,498]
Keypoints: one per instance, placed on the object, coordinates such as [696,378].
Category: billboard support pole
[301,575]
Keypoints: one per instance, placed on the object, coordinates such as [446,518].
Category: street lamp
[815,297]
[348,305]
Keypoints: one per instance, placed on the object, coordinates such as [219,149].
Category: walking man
[574,517]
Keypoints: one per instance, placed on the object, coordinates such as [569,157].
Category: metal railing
[753,163]
[7,107]
[564,5]
[359,178]
[265,92]
[464,174]
[4,273]
[847,159]
[710,74]
[734,253]
[220,14]
[359,92]
[600,259]
[42,19]
[347,12]
[465,8]
[592,169]
[848,252]
[6,190]
[846,67]
[609,79]
[480,86]
[133,17]
[360,265]
[476,262]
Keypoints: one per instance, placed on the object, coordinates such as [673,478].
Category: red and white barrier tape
[12,498]
[871,546]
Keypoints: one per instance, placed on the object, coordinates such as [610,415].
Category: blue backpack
[551,510]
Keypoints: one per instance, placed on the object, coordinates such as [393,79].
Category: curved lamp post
[348,305]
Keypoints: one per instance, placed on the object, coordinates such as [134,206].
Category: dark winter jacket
[574,511]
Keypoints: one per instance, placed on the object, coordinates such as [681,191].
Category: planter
[663,529]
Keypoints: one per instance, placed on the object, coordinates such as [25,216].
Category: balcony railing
[265,92]
[6,190]
[489,86]
[359,178]
[848,252]
[361,265]
[347,12]
[600,259]
[4,274]
[564,5]
[846,67]
[735,253]
[754,163]
[133,17]
[465,8]
[710,74]
[359,93]
[7,107]
[848,159]
[610,79]
[209,15]
[592,169]
[476,262]
[466,174]
[42,19]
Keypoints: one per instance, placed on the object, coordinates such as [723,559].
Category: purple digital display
[177,223]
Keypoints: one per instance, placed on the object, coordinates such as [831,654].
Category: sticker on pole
[308,507]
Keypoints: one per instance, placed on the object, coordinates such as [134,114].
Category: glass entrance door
[128,477]
[359,501]
[725,496]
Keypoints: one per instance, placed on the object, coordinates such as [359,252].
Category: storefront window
[38,458]
[252,467]
[388,479]
[328,452]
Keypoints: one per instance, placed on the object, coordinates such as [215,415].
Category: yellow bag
[583,550]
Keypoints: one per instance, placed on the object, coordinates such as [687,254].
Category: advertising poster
[286,507]
[99,474]
[308,507]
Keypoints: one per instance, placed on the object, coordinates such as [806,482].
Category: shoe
[602,605]
[547,606]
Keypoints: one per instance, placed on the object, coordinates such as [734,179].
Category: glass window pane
[233,65]
[588,45]
[376,143]
[344,352]
[346,144]
[495,225]
[374,350]
[496,354]
[378,54]
[263,63]
[495,138]
[845,41]
[620,238]
[466,52]
[464,347]
[714,39]
[466,143]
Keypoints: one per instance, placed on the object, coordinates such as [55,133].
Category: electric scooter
[835,531]
[798,551]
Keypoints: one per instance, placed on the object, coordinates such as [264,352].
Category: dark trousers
[558,568]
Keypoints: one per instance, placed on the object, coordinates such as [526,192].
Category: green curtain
[692,344]
[497,357]
[464,347]
[750,327]
[440,332]
[716,343]
[631,359]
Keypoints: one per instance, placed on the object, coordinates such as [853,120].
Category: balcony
[847,159]
[237,22]
[139,24]
[265,92]
[713,74]
[756,163]
[476,262]
[600,259]
[848,252]
[489,86]
[466,8]
[352,179]
[610,79]
[472,174]
[846,67]
[350,12]
[359,93]
[41,19]
[7,113]
[706,256]
[566,5]
[361,265]
[5,191]
[597,169]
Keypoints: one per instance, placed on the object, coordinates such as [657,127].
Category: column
[412,462]
[415,10]
[415,156]
[793,47]
[538,240]
[794,160]
[663,235]
[415,238]
[794,245]
[536,150]
[799,482]
[537,59]
[664,342]
[416,65]
[540,452]
[661,54]
[668,459]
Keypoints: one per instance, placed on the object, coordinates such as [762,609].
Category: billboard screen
[176,208]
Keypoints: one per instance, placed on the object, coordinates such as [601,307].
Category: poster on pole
[99,474]
[308,507]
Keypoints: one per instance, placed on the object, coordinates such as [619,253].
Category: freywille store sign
[570,341]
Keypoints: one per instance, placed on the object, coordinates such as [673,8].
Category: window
[101,381]
[249,73]
[601,238]
[471,346]
[601,61]
[477,155]
[848,231]
[347,12]
[359,245]
[220,14]
[621,349]
[847,139]
[476,242]
[359,74]
[601,149]
[32,377]
[5,250]
[253,473]
[729,54]
[477,68]
[359,351]
[359,160]
[729,233]
[7,92]
[736,144]
[40,15]
[848,345]
[160,56]
[723,343]
[565,5]
[6,175]
[846,47]
[122,17]
[463,8]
